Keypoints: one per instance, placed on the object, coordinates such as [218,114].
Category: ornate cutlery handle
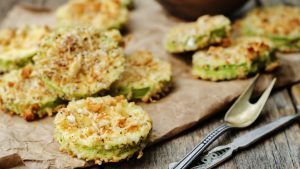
[190,157]
[214,157]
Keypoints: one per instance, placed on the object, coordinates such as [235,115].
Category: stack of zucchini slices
[69,70]
[82,63]
[22,91]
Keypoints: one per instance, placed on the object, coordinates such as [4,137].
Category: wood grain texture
[279,151]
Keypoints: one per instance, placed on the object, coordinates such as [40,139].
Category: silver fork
[241,114]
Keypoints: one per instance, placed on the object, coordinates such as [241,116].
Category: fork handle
[211,137]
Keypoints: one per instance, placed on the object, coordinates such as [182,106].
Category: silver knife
[221,153]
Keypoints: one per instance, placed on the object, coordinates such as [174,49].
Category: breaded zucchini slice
[245,56]
[281,24]
[145,77]
[207,30]
[101,14]
[24,94]
[79,62]
[19,45]
[102,129]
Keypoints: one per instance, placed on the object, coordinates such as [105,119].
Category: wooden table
[281,150]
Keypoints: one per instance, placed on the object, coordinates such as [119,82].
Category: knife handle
[214,157]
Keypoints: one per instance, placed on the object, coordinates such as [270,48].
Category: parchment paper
[191,101]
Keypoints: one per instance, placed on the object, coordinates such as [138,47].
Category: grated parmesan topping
[208,23]
[244,50]
[102,14]
[23,93]
[16,42]
[106,119]
[195,35]
[145,72]
[81,61]
[142,69]
[277,21]
[71,118]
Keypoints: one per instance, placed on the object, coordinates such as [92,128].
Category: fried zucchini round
[281,24]
[24,94]
[19,45]
[145,78]
[101,14]
[207,30]
[244,57]
[79,62]
[102,129]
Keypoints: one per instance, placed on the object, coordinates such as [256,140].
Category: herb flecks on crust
[207,30]
[24,94]
[102,129]
[79,62]
[244,57]
[19,45]
[101,14]
[281,24]
[145,78]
